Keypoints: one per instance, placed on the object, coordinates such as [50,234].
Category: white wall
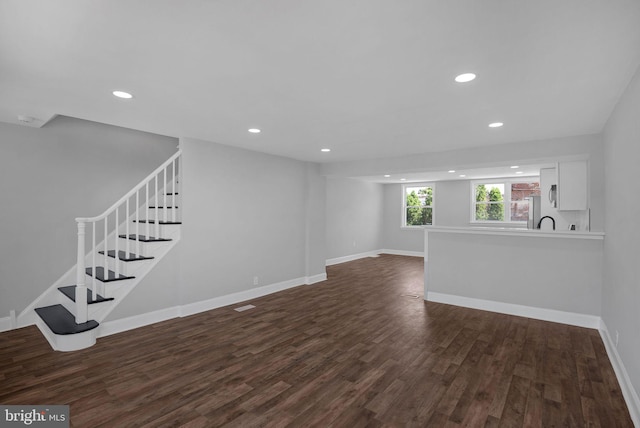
[49,176]
[354,216]
[246,214]
[394,236]
[452,209]
[621,289]
[160,289]
[563,274]
[316,234]
[452,202]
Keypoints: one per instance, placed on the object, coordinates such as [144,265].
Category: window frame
[403,217]
[507,182]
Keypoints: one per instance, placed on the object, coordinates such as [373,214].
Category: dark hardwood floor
[360,349]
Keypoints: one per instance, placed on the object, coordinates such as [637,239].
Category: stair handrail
[139,186]
[81,288]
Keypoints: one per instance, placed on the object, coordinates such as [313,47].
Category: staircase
[124,243]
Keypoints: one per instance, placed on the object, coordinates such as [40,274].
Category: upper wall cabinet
[572,186]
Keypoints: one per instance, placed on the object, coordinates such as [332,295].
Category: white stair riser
[67,342]
[157,213]
[167,231]
[147,249]
[109,288]
[70,305]
[160,195]
[125,268]
[170,200]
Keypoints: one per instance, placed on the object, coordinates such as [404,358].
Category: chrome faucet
[547,216]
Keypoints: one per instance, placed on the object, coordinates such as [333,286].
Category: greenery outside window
[418,204]
[504,200]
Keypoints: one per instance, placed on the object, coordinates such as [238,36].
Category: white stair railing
[167,173]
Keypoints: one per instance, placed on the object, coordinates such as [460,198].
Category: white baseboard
[628,391]
[121,325]
[351,257]
[8,323]
[67,342]
[108,328]
[402,253]
[570,318]
[315,278]
[5,324]
[231,299]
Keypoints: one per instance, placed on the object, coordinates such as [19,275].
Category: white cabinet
[572,186]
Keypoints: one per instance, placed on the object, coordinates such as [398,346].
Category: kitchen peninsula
[550,275]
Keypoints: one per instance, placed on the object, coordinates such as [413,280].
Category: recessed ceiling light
[519,172]
[254,130]
[325,150]
[122,94]
[495,125]
[451,171]
[403,179]
[514,167]
[387,176]
[462,175]
[465,77]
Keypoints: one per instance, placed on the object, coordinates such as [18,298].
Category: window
[418,205]
[502,200]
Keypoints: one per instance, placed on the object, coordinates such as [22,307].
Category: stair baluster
[126,230]
[116,242]
[94,292]
[81,289]
[157,209]
[164,192]
[106,247]
[138,222]
[147,208]
[173,191]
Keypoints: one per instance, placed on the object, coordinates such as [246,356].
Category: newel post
[81,289]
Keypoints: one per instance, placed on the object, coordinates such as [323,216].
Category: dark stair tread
[162,207]
[70,292]
[143,238]
[161,222]
[111,275]
[61,321]
[124,256]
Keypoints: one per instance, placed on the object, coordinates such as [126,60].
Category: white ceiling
[366,78]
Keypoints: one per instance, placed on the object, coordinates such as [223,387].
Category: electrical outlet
[617,337]
[255,280]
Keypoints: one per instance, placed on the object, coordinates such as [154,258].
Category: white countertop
[509,231]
